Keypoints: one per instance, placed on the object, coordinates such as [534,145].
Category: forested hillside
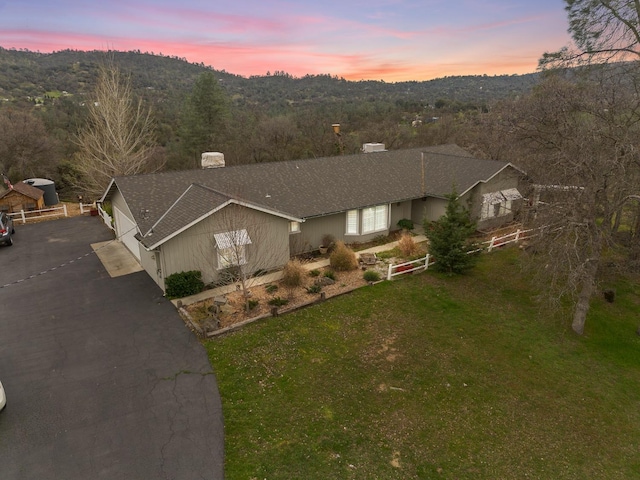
[263,118]
[25,74]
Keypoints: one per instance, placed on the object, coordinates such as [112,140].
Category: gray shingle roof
[300,189]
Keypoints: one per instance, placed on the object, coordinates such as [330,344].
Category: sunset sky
[391,40]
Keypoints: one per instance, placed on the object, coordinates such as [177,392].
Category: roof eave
[211,212]
[108,191]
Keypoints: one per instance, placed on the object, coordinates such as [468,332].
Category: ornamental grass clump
[343,258]
[293,274]
[407,245]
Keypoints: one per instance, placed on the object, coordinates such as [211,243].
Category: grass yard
[435,377]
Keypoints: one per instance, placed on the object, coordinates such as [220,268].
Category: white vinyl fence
[409,267]
[24,217]
[86,207]
[106,218]
[424,263]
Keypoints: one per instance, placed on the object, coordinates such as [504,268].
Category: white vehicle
[3,398]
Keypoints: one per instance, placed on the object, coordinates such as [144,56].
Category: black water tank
[48,187]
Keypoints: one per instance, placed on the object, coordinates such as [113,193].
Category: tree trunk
[617,221]
[584,297]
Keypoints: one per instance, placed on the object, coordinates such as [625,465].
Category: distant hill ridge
[26,74]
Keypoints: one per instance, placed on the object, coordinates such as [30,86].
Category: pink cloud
[204,22]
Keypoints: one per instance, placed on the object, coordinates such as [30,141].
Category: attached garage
[127,231]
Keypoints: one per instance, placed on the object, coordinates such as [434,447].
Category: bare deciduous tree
[118,138]
[583,146]
[602,31]
[244,247]
[26,150]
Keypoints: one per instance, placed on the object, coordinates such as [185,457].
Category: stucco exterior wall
[117,200]
[399,211]
[196,249]
[312,230]
[151,262]
[430,208]
[507,178]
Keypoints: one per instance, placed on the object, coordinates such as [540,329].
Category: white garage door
[126,232]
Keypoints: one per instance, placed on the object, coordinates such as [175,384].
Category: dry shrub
[293,274]
[407,245]
[343,258]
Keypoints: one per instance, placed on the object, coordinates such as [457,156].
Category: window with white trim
[232,248]
[352,222]
[375,219]
[294,227]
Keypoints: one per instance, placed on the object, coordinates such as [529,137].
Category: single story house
[21,196]
[259,215]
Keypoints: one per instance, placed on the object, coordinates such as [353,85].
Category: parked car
[6,229]
[3,398]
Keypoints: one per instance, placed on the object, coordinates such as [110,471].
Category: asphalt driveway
[103,379]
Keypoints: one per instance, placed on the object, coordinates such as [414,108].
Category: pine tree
[449,238]
[205,116]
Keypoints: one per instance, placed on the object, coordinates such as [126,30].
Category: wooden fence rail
[39,214]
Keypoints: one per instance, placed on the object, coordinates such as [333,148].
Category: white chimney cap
[212,160]
[373,147]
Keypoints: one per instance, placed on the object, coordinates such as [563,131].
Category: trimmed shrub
[406,224]
[293,274]
[183,284]
[343,258]
[407,245]
[371,276]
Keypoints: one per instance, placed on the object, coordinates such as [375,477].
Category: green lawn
[435,377]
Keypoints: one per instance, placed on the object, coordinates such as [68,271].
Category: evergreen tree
[205,117]
[449,238]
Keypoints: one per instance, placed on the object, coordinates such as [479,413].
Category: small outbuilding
[21,197]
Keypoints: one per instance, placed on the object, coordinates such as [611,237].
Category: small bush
[315,288]
[330,274]
[343,258]
[406,224]
[328,240]
[293,274]
[371,276]
[314,273]
[271,288]
[278,302]
[251,304]
[183,284]
[106,206]
[407,245]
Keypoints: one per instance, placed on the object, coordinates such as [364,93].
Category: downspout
[423,184]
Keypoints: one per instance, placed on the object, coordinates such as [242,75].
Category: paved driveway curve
[103,379]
